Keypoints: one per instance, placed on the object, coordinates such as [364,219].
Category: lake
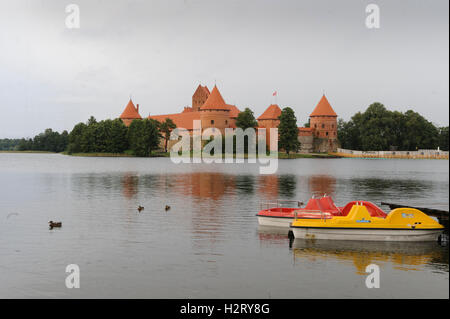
[208,245]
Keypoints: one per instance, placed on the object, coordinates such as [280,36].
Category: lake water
[208,245]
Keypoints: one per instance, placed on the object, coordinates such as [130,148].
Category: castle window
[315,125]
[327,133]
[332,125]
[323,125]
[226,121]
[212,121]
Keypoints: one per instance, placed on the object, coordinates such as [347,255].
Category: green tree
[117,142]
[378,129]
[143,137]
[7,144]
[75,137]
[288,131]
[166,128]
[246,119]
[443,138]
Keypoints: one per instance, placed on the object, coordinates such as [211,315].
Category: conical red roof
[215,101]
[323,108]
[271,113]
[130,112]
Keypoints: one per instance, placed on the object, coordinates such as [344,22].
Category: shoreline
[281,155]
[163,154]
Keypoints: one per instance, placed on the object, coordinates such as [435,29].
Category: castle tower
[199,97]
[270,117]
[130,113]
[323,120]
[215,112]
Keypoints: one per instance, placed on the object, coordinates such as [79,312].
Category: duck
[167,207]
[140,208]
[53,224]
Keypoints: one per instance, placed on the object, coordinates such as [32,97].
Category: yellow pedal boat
[401,224]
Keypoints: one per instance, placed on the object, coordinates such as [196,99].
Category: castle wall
[219,119]
[324,126]
[325,145]
[268,123]
[306,143]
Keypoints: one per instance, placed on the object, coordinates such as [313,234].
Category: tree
[443,138]
[166,128]
[143,137]
[288,131]
[7,144]
[246,120]
[75,137]
[117,142]
[48,140]
[378,129]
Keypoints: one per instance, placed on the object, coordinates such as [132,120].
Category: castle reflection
[322,184]
[130,185]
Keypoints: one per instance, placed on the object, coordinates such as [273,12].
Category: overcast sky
[159,51]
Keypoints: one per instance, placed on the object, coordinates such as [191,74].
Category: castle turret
[130,113]
[323,120]
[199,97]
[215,112]
[270,117]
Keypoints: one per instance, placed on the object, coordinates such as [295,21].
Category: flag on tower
[274,93]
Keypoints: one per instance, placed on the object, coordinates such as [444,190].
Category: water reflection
[268,187]
[379,187]
[273,235]
[214,186]
[322,184]
[287,185]
[203,185]
[130,185]
[402,255]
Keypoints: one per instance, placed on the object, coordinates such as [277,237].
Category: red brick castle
[212,110]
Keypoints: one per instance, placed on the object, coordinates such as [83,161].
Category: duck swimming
[140,208]
[53,224]
[167,207]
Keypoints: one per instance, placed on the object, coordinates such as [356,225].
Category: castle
[211,109]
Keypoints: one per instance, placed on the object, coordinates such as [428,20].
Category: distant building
[212,110]
[321,135]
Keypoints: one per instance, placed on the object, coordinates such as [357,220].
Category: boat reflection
[273,234]
[407,256]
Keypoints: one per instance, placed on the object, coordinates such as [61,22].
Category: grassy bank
[30,152]
[126,154]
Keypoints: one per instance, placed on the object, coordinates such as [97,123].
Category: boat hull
[367,234]
[284,222]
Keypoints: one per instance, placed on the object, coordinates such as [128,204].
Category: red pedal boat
[316,208]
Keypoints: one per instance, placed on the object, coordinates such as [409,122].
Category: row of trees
[49,141]
[113,136]
[378,129]
[8,144]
